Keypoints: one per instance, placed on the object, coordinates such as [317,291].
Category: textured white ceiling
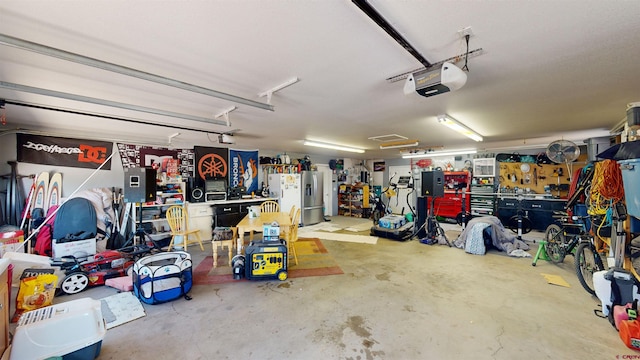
[549,69]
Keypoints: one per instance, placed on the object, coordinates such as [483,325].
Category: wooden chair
[292,212]
[269,206]
[266,207]
[179,224]
[293,236]
[217,243]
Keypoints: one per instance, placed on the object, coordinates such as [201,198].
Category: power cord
[466,55]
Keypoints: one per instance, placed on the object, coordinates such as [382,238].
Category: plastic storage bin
[71,330]
[631,181]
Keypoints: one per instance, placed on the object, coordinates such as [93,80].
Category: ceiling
[547,70]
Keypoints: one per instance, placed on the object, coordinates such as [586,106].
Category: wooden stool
[221,238]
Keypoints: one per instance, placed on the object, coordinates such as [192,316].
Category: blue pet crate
[162,277]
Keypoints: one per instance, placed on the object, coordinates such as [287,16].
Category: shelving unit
[154,220]
[482,198]
[353,200]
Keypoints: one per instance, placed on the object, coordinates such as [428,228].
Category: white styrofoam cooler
[78,248]
[22,261]
[73,330]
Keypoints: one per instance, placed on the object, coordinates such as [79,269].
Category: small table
[255,224]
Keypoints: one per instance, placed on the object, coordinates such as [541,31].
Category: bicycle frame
[575,237]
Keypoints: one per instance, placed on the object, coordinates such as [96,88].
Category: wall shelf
[353,200]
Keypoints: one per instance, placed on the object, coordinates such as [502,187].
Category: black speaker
[432,183]
[139,185]
[195,191]
[197,194]
[421,217]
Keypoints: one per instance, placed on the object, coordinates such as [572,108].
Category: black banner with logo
[48,150]
[147,156]
[211,163]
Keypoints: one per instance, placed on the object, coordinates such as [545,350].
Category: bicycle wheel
[587,261]
[555,242]
[512,224]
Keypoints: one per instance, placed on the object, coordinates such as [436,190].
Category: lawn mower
[96,269]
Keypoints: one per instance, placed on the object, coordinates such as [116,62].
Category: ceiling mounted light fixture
[454,124]
[399,144]
[439,153]
[333,146]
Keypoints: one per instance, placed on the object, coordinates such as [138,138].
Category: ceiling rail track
[88,61]
[104,116]
[374,15]
[91,100]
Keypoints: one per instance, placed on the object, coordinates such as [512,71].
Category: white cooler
[73,330]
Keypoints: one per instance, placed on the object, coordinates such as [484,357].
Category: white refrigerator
[286,188]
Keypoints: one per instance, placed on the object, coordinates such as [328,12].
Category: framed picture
[379,166]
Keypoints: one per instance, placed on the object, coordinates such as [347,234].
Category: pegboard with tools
[551,179]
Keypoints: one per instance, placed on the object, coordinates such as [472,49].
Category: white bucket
[602,287]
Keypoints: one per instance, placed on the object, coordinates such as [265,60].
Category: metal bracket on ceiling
[270,92]
[453,59]
[225,114]
[170,137]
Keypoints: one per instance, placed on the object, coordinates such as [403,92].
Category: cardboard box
[270,231]
[11,241]
[78,248]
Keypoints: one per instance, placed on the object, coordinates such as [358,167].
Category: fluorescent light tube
[332,146]
[439,153]
[455,125]
[398,144]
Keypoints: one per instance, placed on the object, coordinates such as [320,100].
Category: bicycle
[574,238]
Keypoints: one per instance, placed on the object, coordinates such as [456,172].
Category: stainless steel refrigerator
[312,203]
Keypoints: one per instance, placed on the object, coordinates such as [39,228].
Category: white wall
[399,204]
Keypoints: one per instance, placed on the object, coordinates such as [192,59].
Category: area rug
[121,308]
[313,260]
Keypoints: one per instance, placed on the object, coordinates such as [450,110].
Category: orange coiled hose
[606,187]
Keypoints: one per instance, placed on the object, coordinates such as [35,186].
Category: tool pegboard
[553,179]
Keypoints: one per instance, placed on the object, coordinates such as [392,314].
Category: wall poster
[150,156]
[244,169]
[211,163]
[49,150]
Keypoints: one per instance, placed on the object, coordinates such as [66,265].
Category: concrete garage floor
[396,300]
